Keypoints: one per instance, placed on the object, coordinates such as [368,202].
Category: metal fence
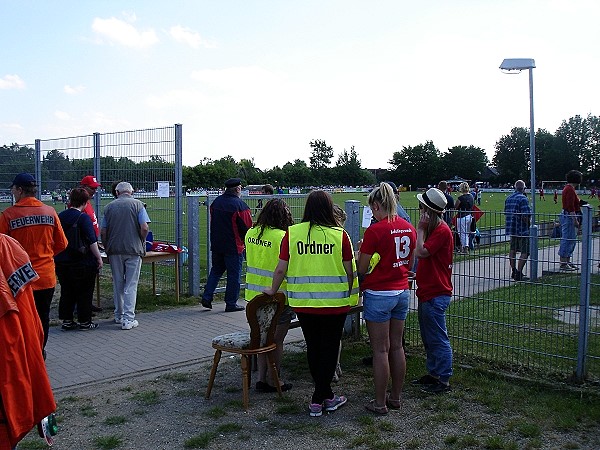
[142,157]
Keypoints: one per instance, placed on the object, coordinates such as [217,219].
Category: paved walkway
[164,340]
[182,336]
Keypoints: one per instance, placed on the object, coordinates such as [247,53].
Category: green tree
[297,173]
[321,154]
[249,172]
[416,166]
[512,155]
[348,170]
[462,161]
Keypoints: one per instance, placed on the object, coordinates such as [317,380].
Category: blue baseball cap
[23,179]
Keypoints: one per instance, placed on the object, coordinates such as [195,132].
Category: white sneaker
[129,324]
[119,321]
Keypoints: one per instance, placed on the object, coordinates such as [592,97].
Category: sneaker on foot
[335,402]
[69,325]
[88,326]
[316,410]
[425,380]
[437,388]
[567,267]
[119,321]
[129,324]
[520,277]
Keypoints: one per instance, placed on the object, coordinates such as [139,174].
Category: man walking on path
[124,230]
[37,228]
[518,214]
[230,219]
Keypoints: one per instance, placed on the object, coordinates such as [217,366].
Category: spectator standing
[386,294]
[318,259]
[443,186]
[518,215]
[230,219]
[91,185]
[76,271]
[37,228]
[569,220]
[124,230]
[464,207]
[25,392]
[434,290]
[263,242]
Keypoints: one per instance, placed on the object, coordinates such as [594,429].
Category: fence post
[533,251]
[178,198]
[584,293]
[352,226]
[38,168]
[193,241]
[97,168]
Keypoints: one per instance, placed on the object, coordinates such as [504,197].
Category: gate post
[193,241]
[584,292]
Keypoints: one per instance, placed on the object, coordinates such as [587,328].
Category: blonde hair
[384,195]
[464,187]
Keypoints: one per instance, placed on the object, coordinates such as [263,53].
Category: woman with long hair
[434,289]
[263,241]
[386,294]
[570,217]
[317,257]
[464,207]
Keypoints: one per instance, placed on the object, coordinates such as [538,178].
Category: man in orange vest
[37,228]
[25,393]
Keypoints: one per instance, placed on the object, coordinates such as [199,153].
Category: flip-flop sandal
[393,404]
[380,410]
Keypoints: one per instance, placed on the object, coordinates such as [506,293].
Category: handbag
[76,242]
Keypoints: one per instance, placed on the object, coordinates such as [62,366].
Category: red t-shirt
[347,255]
[395,242]
[434,274]
[570,201]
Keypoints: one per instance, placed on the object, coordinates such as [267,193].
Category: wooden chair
[262,313]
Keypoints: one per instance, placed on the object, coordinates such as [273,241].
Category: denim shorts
[381,308]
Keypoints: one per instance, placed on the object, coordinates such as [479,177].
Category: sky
[260,79]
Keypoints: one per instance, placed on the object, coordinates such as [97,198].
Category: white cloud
[72,90]
[189,37]
[61,115]
[12,82]
[119,32]
[11,126]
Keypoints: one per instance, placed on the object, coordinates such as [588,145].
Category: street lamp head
[517,64]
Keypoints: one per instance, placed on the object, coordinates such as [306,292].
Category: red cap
[90,181]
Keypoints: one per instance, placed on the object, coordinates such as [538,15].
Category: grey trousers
[126,274]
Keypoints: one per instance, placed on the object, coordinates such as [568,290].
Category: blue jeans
[432,322]
[568,237]
[382,308]
[221,263]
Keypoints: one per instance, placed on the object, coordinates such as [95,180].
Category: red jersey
[89,210]
[570,201]
[37,228]
[434,274]
[395,242]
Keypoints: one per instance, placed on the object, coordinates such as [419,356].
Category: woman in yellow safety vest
[263,241]
[317,257]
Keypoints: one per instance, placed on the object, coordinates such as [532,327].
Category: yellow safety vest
[262,256]
[316,276]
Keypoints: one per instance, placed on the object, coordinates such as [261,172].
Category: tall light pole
[508,66]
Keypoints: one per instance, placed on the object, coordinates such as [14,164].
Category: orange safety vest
[37,228]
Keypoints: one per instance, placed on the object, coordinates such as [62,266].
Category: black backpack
[77,245]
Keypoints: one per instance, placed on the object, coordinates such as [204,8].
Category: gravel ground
[169,411]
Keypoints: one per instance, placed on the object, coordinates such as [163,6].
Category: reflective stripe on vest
[262,256]
[316,275]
